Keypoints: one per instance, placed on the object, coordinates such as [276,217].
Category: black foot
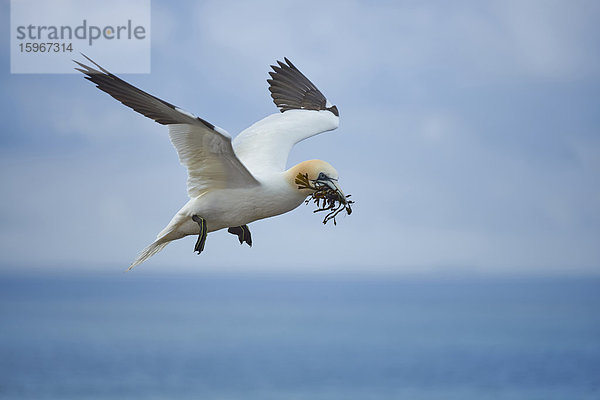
[243,234]
[202,236]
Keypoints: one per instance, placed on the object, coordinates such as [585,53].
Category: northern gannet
[233,183]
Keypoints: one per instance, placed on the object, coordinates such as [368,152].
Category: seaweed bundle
[325,198]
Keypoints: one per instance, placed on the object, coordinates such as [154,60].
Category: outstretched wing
[204,149]
[292,90]
[264,147]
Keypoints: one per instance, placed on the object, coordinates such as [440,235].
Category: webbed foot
[202,235]
[243,234]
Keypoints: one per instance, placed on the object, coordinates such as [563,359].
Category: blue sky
[469,139]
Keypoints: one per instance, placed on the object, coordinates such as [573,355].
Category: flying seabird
[232,183]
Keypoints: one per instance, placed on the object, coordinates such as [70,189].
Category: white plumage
[231,184]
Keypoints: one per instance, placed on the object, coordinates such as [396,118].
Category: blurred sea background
[269,336]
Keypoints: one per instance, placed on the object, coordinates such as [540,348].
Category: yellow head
[320,173]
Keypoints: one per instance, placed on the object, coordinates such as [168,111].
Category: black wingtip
[290,63]
[291,89]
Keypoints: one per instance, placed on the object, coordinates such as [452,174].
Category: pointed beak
[333,185]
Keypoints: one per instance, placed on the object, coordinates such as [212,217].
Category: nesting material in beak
[327,195]
[332,185]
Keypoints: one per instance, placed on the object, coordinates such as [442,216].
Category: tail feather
[149,251]
[166,236]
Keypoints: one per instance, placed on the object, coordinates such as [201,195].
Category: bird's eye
[322,177]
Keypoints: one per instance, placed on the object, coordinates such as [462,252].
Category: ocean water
[132,336]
